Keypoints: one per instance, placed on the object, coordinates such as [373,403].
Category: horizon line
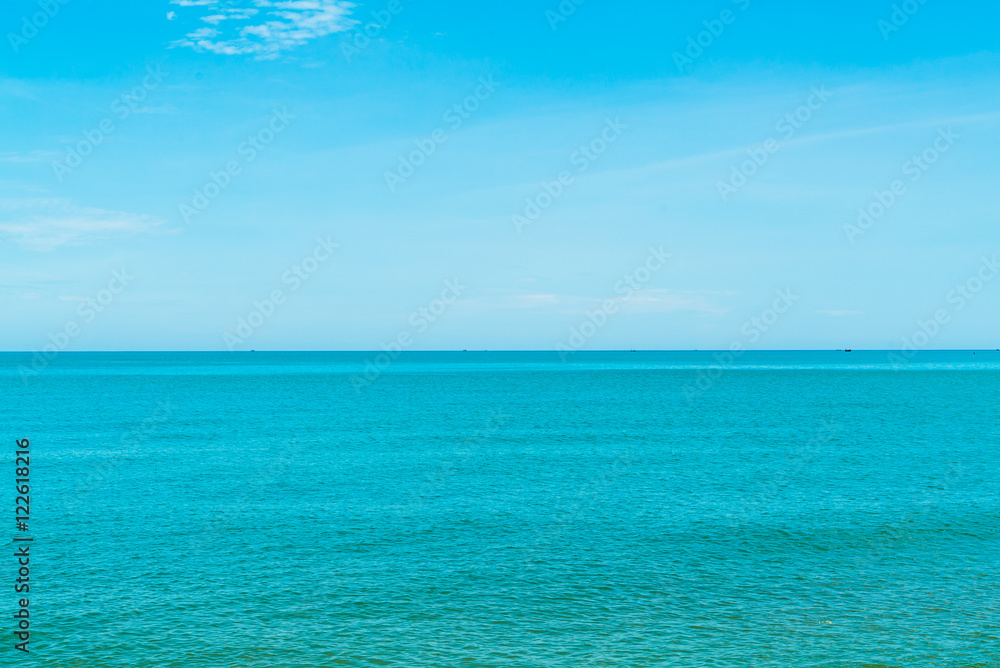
[521,350]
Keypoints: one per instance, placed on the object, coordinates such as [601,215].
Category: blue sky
[642,134]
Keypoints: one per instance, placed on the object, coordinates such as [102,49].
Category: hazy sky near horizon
[509,168]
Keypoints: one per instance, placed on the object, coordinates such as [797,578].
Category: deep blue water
[508,509]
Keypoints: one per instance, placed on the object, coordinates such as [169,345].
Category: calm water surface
[508,509]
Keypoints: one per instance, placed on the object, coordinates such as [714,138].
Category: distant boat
[848,350]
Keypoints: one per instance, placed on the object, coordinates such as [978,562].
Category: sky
[421,175]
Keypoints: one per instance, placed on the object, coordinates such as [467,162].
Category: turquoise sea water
[508,509]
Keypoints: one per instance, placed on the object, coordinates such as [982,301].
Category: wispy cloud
[44,224]
[20,89]
[837,313]
[30,156]
[640,301]
[267,28]
[162,109]
[669,301]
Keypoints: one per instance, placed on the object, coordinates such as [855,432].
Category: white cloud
[669,301]
[171,16]
[838,313]
[20,89]
[46,223]
[31,156]
[640,301]
[162,109]
[285,26]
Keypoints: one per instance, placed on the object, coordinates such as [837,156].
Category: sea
[518,509]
